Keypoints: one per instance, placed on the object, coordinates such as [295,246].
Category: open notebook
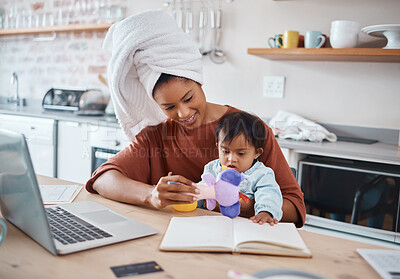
[239,235]
[59,194]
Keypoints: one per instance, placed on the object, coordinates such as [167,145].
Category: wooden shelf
[329,54]
[57,28]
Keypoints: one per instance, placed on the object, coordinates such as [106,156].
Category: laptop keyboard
[67,228]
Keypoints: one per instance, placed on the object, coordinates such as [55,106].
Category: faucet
[15,100]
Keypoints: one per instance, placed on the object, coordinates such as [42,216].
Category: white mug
[345,26]
[343,40]
[344,33]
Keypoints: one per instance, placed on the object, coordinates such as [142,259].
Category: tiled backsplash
[71,60]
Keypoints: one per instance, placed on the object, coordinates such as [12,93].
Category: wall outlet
[274,86]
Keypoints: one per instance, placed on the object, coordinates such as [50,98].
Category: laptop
[61,229]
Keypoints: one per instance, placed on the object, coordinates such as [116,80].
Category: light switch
[274,86]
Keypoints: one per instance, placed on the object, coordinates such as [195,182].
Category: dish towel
[143,46]
[288,125]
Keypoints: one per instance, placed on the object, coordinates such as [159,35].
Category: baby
[240,139]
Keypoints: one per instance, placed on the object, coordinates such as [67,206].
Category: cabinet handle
[117,143]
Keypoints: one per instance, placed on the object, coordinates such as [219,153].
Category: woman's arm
[290,213]
[112,184]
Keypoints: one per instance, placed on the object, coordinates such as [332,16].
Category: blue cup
[3,230]
[274,41]
[314,39]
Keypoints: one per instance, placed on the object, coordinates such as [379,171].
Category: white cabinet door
[40,136]
[74,153]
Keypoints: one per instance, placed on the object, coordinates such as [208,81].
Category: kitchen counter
[375,152]
[35,111]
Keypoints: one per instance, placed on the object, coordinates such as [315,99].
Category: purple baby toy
[226,191]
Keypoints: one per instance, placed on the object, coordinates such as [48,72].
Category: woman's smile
[191,120]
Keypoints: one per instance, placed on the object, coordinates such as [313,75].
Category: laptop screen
[20,199]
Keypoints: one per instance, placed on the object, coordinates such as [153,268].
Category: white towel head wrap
[144,46]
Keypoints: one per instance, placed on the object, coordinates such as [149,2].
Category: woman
[177,148]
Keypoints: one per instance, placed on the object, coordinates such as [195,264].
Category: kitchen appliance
[106,141]
[100,156]
[81,102]
[351,196]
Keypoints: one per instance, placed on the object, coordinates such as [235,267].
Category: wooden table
[21,257]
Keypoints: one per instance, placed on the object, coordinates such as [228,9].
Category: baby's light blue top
[259,185]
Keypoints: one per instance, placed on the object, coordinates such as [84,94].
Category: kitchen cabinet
[56,29]
[40,134]
[328,54]
[74,152]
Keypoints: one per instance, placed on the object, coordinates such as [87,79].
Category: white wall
[347,93]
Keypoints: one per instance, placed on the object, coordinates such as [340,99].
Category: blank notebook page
[209,232]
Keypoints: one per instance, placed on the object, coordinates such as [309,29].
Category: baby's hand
[264,217]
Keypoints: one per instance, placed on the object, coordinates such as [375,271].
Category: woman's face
[182,101]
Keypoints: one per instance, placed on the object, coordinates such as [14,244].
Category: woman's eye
[188,99]
[169,108]
[241,153]
[225,151]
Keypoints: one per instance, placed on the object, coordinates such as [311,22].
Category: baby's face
[239,154]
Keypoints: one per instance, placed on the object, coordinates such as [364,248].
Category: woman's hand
[179,191]
[264,217]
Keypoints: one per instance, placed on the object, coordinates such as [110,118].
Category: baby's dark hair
[237,123]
